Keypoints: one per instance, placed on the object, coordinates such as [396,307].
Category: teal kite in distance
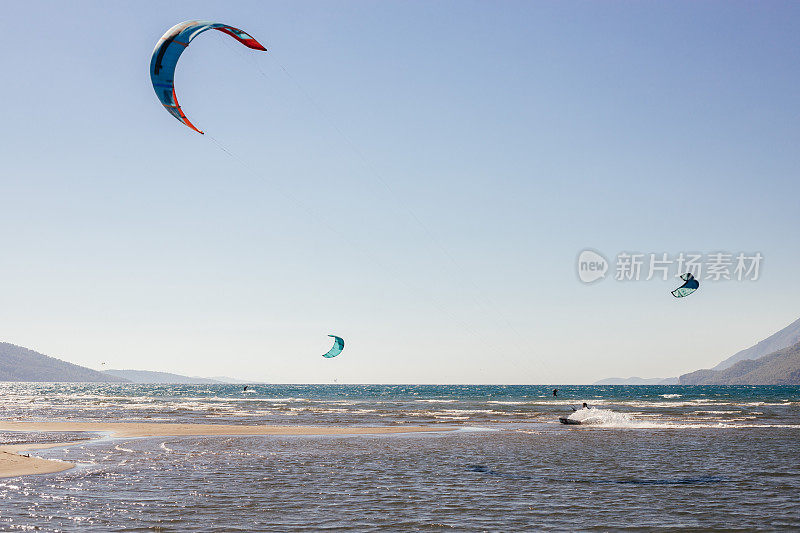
[338,346]
[169,49]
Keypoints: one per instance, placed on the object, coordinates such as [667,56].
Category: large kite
[338,346]
[170,47]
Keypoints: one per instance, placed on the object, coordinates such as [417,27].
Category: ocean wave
[596,416]
[606,418]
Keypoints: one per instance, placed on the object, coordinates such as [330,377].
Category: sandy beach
[12,463]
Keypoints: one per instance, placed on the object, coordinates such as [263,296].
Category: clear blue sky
[420,183]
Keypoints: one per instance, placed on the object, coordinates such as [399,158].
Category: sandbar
[13,464]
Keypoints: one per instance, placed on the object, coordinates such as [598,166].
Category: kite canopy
[170,47]
[338,346]
[688,287]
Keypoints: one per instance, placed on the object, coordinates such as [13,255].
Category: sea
[697,458]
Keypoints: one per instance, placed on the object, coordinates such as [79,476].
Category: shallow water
[670,457]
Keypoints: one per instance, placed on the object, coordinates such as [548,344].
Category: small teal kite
[689,286]
[338,346]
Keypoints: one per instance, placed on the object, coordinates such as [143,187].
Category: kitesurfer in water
[584,406]
[555,392]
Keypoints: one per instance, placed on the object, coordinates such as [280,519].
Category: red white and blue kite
[170,47]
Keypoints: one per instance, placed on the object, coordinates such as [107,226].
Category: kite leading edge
[170,47]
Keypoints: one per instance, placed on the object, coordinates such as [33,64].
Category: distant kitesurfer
[245,388]
[555,392]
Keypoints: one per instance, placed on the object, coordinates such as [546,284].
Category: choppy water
[651,457]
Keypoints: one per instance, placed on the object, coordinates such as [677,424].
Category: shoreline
[13,464]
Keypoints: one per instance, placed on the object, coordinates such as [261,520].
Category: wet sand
[13,463]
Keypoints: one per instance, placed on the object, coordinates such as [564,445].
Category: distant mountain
[227,379]
[779,368]
[147,376]
[21,364]
[782,339]
[637,381]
